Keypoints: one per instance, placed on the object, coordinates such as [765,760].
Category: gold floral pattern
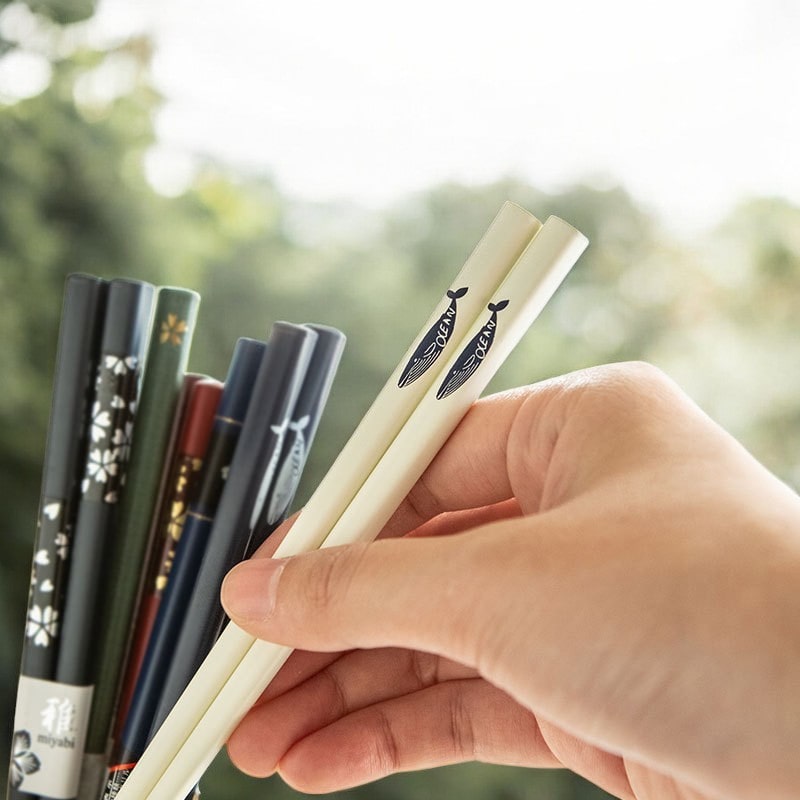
[172,329]
[188,470]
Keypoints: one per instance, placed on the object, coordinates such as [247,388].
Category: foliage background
[717,312]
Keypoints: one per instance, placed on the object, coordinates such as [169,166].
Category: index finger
[470,471]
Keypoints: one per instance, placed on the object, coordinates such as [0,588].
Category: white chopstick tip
[510,207]
[566,230]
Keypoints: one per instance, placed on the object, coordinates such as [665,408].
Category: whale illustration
[473,354]
[433,342]
[266,480]
[289,473]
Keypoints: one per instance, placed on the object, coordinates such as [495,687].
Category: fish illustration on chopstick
[433,342]
[473,354]
[290,472]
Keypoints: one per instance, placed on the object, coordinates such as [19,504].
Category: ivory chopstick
[511,231]
[511,311]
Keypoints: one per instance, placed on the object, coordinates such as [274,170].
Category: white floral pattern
[119,366]
[47,574]
[42,625]
[102,465]
[122,441]
[112,420]
[101,420]
[62,545]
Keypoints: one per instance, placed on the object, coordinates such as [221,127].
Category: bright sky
[691,104]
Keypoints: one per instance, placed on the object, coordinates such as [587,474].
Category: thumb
[432,594]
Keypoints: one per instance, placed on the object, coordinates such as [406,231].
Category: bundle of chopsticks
[505,283]
[155,483]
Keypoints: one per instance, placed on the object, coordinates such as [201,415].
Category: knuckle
[628,378]
[424,668]
[387,750]
[622,390]
[638,377]
[328,577]
[462,734]
[336,696]
[422,500]
[608,392]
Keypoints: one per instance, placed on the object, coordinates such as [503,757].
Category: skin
[591,574]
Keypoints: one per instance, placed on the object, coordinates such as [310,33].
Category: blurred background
[336,162]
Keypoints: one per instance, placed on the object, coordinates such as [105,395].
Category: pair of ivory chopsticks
[510,276]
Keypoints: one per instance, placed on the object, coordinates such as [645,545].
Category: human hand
[592,574]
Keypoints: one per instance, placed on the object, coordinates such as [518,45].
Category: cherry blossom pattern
[23,761]
[102,465]
[117,365]
[46,575]
[117,385]
[122,441]
[42,625]
[62,545]
[101,421]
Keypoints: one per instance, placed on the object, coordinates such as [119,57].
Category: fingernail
[250,588]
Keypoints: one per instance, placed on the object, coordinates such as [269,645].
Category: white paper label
[49,735]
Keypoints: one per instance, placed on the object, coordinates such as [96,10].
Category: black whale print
[472,355]
[434,341]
